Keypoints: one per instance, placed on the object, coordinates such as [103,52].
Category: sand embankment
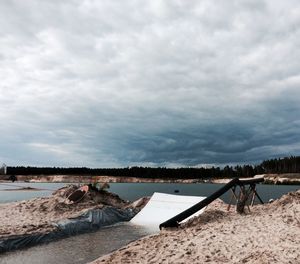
[284,179]
[38,215]
[91,179]
[287,178]
[270,233]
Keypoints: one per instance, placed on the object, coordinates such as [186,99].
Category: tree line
[280,165]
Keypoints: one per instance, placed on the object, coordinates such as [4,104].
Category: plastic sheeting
[89,221]
[94,219]
[162,207]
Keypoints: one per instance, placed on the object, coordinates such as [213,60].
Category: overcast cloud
[162,83]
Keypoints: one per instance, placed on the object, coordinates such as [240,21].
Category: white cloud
[148,82]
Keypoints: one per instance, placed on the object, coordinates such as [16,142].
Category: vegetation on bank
[281,165]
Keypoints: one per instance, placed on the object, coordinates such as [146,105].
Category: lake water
[87,247]
[134,191]
[78,249]
[45,189]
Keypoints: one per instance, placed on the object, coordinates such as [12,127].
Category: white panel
[162,207]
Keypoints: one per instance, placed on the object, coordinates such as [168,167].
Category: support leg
[253,187]
[232,196]
[258,197]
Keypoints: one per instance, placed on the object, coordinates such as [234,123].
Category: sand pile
[37,215]
[268,234]
[291,199]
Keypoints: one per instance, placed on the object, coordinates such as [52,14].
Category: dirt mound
[37,215]
[93,197]
[287,208]
[288,199]
[216,211]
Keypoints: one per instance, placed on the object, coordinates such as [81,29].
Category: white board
[162,207]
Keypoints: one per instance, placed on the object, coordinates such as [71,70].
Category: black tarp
[89,221]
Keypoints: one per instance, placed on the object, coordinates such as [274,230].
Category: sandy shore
[90,179]
[22,189]
[287,178]
[270,233]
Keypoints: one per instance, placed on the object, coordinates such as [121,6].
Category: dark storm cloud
[118,83]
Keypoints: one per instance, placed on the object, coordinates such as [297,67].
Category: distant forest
[280,165]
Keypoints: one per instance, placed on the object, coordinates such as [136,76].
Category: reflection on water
[78,249]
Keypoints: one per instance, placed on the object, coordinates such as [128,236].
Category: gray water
[44,189]
[87,247]
[134,191]
[78,249]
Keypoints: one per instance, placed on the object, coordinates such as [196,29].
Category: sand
[270,233]
[38,215]
[283,178]
[96,178]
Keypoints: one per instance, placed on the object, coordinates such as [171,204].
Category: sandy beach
[270,233]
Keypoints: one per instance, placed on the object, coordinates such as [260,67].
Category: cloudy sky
[113,83]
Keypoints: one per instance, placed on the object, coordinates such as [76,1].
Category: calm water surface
[78,249]
[45,189]
[133,191]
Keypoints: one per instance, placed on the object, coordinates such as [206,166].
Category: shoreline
[91,179]
[276,179]
[22,189]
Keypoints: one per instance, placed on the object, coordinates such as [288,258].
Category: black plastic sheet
[87,222]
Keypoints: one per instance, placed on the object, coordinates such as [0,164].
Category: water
[45,189]
[87,247]
[78,249]
[134,191]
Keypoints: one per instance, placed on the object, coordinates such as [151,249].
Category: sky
[112,83]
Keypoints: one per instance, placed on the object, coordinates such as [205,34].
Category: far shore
[22,189]
[287,179]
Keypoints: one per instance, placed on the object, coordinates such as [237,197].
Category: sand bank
[284,179]
[22,189]
[40,215]
[287,178]
[91,179]
[270,233]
